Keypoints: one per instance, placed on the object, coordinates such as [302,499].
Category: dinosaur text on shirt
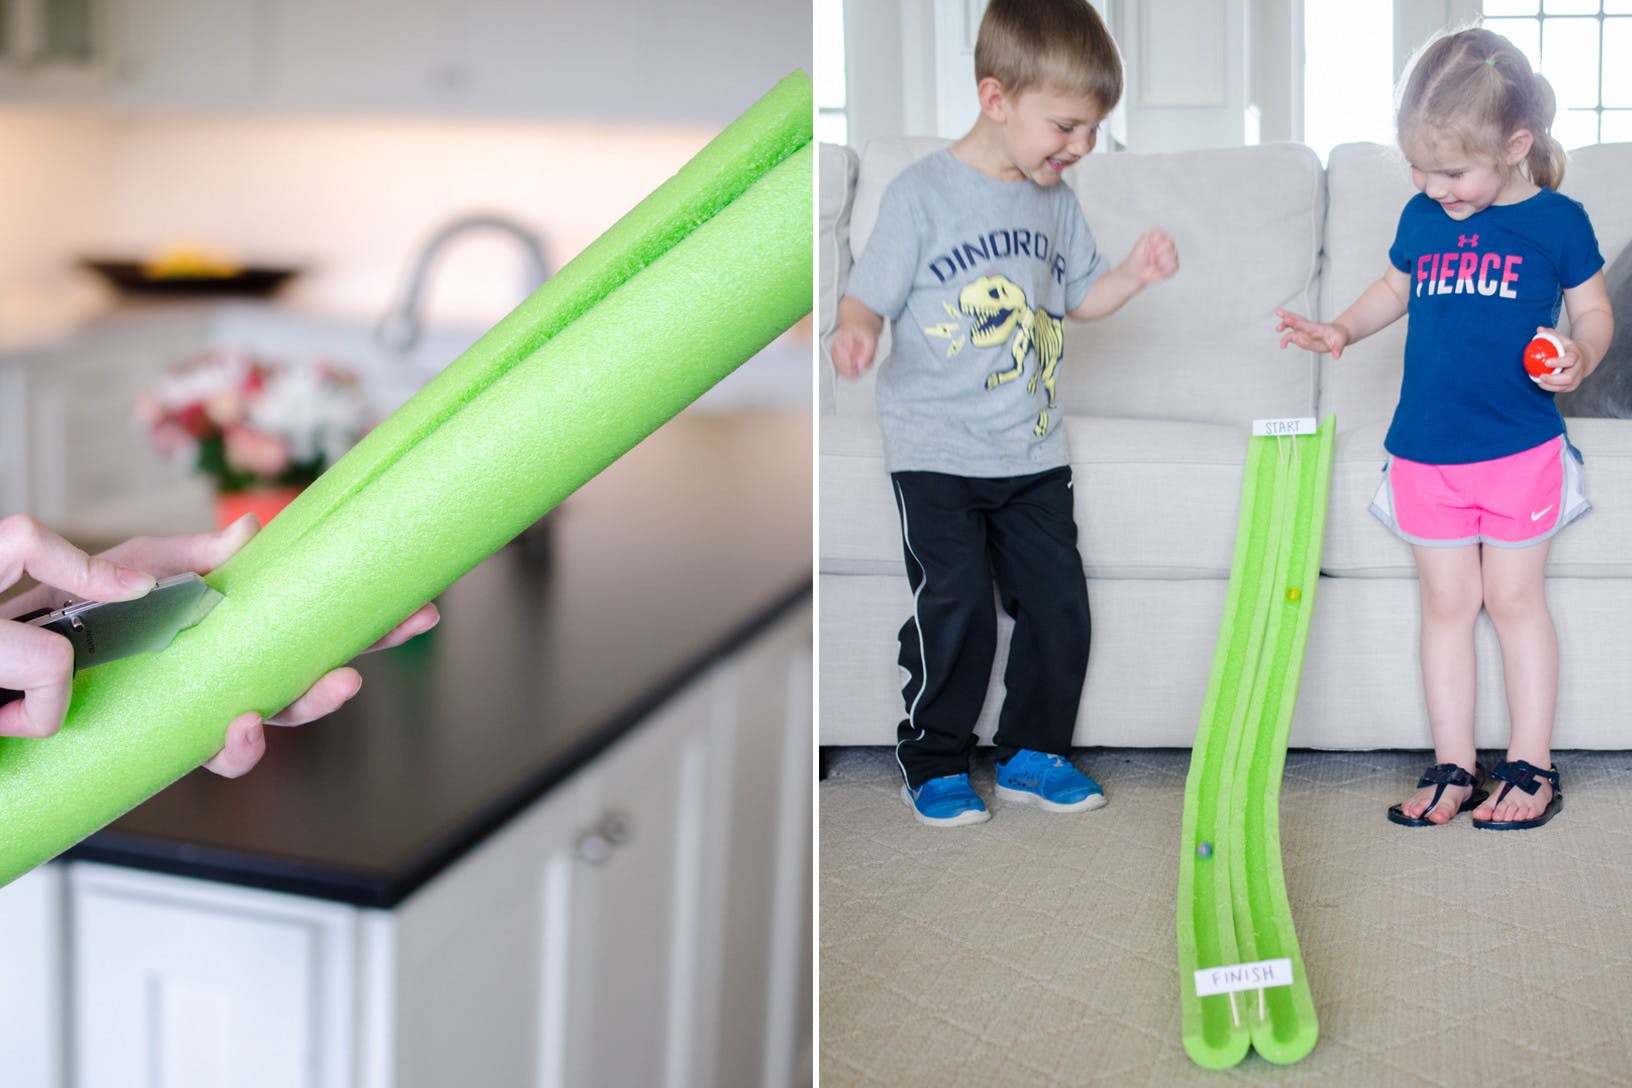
[976,255]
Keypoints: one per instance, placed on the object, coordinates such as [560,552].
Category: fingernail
[135,579]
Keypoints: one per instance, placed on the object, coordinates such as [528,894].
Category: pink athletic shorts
[1516,500]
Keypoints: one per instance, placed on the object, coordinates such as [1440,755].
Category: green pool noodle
[1232,903]
[1288,1029]
[690,284]
[1214,1036]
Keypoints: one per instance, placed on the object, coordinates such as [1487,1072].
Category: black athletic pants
[960,535]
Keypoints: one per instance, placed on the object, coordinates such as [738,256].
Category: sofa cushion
[1201,347]
[881,161]
[1153,499]
[1607,392]
[1596,176]
[1366,186]
[1357,544]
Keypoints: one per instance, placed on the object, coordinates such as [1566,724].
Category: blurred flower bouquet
[252,425]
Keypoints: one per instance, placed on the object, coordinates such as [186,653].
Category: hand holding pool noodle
[696,279]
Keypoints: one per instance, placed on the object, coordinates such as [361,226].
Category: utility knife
[108,630]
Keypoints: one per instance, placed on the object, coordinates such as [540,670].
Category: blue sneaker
[947,801]
[1049,781]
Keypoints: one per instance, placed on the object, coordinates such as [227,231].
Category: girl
[1481,474]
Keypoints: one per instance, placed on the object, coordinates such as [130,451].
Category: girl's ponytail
[1545,163]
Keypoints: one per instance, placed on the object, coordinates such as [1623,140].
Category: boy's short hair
[1061,45]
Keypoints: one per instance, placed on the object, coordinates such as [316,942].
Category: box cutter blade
[106,631]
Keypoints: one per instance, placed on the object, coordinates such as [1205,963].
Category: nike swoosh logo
[1537,515]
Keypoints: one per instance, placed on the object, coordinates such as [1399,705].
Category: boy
[978,253]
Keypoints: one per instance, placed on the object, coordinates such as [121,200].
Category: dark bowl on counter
[129,277]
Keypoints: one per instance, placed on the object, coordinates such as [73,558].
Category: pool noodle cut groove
[692,282]
[1232,905]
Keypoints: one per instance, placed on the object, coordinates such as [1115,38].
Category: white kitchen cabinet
[586,944]
[755,1012]
[645,923]
[621,60]
[611,60]
[466,980]
[201,985]
[31,979]
[50,49]
[634,970]
[185,54]
[389,54]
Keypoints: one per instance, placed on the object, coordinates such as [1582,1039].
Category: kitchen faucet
[398,331]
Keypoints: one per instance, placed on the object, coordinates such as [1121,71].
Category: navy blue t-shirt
[1479,289]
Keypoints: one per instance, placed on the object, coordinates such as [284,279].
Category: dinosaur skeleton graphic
[1000,314]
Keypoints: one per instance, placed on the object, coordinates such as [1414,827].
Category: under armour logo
[1464,240]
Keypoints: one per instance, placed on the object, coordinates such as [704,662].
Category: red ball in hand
[1541,355]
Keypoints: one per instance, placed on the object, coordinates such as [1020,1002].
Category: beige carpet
[1038,949]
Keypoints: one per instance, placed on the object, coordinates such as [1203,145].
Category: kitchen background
[564,839]
[335,139]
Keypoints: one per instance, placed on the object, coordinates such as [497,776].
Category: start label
[1243,976]
[1262,428]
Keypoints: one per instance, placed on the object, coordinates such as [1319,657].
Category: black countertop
[547,652]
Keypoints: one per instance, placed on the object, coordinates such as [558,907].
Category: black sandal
[1523,775]
[1441,775]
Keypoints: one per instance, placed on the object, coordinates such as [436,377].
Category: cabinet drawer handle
[596,845]
[616,828]
[594,848]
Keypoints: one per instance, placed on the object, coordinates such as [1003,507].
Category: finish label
[1243,976]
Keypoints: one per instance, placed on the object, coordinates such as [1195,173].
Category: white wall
[1193,68]
[52,172]
[1200,73]
[351,199]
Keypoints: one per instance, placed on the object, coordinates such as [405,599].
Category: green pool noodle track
[692,282]
[1232,905]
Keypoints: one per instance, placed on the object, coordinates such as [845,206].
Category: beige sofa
[1159,399]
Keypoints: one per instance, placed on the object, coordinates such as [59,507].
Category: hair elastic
[1491,61]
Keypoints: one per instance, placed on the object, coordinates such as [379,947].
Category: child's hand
[853,350]
[41,662]
[1311,335]
[1571,366]
[1154,257]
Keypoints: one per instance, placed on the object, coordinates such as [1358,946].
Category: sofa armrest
[837,194]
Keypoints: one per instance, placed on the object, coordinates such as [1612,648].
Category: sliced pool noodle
[694,281]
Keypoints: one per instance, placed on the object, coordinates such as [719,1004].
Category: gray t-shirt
[977,275]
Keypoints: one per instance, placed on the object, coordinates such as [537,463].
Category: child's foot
[1512,805]
[1448,806]
[1443,791]
[1048,781]
[1450,803]
[1516,805]
[947,801]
